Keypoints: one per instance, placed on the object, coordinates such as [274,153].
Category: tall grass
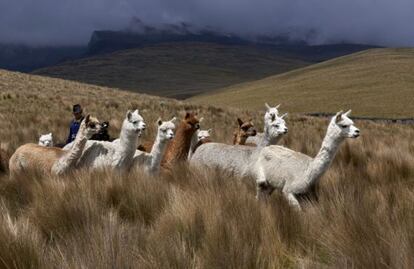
[361,216]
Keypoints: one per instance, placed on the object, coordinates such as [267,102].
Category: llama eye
[92,125]
[277,125]
[135,122]
[343,126]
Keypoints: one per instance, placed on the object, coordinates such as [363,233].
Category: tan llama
[243,131]
[47,160]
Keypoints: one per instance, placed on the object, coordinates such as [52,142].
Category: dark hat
[77,108]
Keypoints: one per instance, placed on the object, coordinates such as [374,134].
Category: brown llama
[178,148]
[243,131]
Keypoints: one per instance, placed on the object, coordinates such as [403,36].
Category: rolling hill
[175,70]
[376,82]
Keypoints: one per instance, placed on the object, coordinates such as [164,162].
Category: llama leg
[263,190]
[292,200]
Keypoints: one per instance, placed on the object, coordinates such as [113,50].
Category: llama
[243,131]
[295,173]
[103,134]
[270,115]
[276,167]
[46,140]
[152,161]
[178,148]
[199,137]
[119,153]
[52,160]
[233,158]
[269,137]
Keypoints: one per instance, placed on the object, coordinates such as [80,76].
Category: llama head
[191,123]
[275,128]
[133,123]
[166,129]
[90,126]
[203,134]
[344,126]
[271,112]
[245,129]
[46,140]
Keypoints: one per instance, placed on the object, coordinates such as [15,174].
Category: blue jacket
[73,130]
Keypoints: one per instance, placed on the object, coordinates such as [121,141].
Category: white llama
[50,159]
[199,135]
[293,172]
[271,136]
[151,162]
[276,167]
[235,159]
[46,140]
[270,116]
[119,153]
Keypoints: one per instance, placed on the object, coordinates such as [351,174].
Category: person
[75,124]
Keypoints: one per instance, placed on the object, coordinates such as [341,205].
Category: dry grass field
[375,82]
[360,216]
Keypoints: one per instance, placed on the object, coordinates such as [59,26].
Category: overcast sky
[70,22]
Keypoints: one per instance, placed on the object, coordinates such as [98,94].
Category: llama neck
[325,156]
[157,153]
[78,145]
[180,145]
[69,160]
[128,142]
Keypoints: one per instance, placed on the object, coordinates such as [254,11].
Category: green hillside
[376,82]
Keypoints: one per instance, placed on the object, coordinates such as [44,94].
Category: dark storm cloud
[382,22]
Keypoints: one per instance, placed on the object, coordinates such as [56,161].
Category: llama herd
[253,155]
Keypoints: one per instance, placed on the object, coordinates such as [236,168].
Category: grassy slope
[376,82]
[175,70]
[364,217]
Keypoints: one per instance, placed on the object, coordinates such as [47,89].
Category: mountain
[178,70]
[109,41]
[26,58]
[376,82]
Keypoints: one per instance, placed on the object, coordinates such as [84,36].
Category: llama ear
[129,114]
[284,115]
[239,121]
[87,118]
[187,115]
[210,131]
[277,106]
[173,119]
[159,121]
[267,106]
[201,119]
[348,112]
[338,116]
